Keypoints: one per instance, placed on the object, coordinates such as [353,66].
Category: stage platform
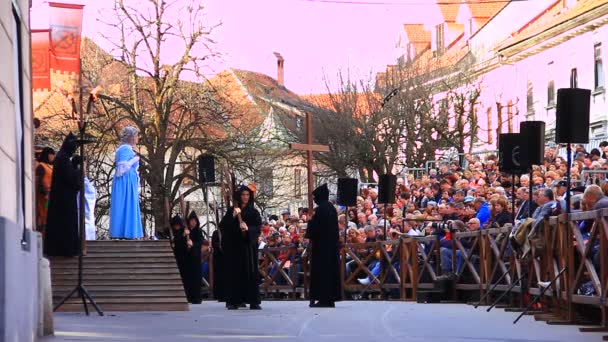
[122,275]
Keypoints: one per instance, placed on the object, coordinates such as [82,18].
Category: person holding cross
[240,229]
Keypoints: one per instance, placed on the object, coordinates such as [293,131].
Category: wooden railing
[566,244]
[278,269]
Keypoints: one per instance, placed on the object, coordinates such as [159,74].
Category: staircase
[122,276]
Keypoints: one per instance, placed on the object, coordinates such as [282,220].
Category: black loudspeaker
[509,149]
[572,115]
[206,169]
[386,189]
[347,191]
[533,137]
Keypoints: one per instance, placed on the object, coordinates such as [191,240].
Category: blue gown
[125,217]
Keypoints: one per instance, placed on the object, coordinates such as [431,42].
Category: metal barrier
[589,177]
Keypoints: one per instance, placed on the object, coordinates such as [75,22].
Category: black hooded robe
[61,237]
[323,233]
[193,274]
[180,248]
[241,254]
[219,284]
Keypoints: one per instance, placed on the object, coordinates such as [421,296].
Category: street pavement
[294,321]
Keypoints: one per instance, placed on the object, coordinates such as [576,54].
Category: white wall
[18,266]
[510,19]
[575,53]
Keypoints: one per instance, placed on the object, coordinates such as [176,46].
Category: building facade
[563,47]
[20,246]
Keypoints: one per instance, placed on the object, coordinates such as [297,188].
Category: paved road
[294,321]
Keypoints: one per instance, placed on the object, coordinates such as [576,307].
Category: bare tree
[156,50]
[458,107]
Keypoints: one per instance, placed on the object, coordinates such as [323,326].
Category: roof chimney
[280,69]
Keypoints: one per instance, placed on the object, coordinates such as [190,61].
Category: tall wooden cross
[309,147]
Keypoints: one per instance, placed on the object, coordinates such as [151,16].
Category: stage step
[122,275]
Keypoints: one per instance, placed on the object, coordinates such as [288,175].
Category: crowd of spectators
[466,195]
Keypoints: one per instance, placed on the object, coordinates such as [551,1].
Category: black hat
[176,220]
[562,183]
[321,194]
[69,144]
[239,191]
[193,216]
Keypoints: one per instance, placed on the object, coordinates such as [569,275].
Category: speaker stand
[513,198]
[385,219]
[346,226]
[568,176]
[80,290]
[537,298]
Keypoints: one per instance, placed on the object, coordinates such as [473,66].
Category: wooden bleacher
[123,276]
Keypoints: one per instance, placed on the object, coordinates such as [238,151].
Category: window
[440,39]
[550,87]
[573,78]
[299,123]
[499,118]
[20,120]
[530,99]
[297,182]
[599,67]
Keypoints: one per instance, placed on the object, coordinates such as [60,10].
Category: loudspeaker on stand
[347,191]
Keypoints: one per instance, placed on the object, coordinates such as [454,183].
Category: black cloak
[323,233]
[241,253]
[61,237]
[180,246]
[193,272]
[219,284]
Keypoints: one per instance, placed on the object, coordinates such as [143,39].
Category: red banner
[66,26]
[40,60]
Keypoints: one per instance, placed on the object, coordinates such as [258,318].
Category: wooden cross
[309,147]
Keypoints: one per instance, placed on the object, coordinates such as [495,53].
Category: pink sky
[314,38]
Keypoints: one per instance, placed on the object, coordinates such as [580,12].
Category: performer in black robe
[239,244]
[193,271]
[219,284]
[323,233]
[180,247]
[61,237]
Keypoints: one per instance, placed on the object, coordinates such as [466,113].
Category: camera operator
[447,244]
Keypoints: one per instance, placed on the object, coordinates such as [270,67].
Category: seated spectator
[501,215]
[370,234]
[482,210]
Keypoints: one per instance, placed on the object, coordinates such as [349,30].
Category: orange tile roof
[449,11]
[361,104]
[416,33]
[553,16]
[255,95]
[454,53]
[486,10]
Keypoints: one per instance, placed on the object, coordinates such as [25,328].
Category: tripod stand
[80,291]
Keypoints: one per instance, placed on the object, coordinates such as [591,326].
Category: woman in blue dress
[125,217]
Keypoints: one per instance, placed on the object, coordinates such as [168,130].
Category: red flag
[40,60]
[66,26]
